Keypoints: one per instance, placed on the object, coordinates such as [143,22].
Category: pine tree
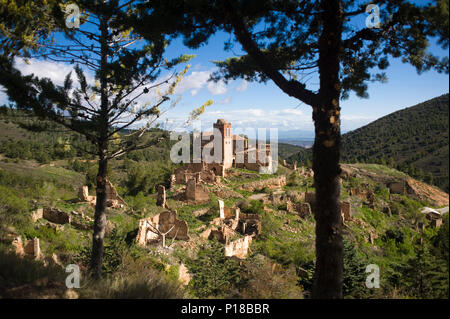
[23,22]
[354,272]
[213,273]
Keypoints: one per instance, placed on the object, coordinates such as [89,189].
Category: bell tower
[227,142]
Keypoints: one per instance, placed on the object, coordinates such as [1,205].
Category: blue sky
[259,105]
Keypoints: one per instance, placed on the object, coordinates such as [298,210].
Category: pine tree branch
[292,88]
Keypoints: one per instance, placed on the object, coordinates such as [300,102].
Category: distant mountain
[414,140]
[304,143]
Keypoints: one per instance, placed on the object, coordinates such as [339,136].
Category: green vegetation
[413,140]
[281,261]
[214,274]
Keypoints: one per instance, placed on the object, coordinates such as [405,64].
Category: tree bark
[326,152]
[99,220]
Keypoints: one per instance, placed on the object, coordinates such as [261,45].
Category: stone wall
[269,183]
[37,214]
[31,248]
[112,197]
[161,196]
[397,188]
[249,224]
[145,235]
[167,220]
[304,209]
[56,216]
[203,173]
[222,234]
[346,211]
[148,227]
[238,248]
[195,192]
[83,194]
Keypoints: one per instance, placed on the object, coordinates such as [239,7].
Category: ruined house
[30,248]
[292,166]
[151,229]
[113,199]
[238,248]
[161,196]
[56,216]
[346,211]
[249,224]
[397,187]
[434,215]
[196,192]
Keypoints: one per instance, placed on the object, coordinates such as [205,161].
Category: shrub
[136,280]
[145,177]
[214,275]
[255,207]
[265,280]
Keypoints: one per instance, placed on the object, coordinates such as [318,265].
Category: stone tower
[227,142]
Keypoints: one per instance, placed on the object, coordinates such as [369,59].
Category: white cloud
[55,71]
[289,112]
[243,86]
[217,88]
[357,117]
[194,82]
[284,119]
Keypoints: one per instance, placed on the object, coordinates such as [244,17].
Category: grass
[16,271]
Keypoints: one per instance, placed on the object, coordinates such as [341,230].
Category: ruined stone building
[235,152]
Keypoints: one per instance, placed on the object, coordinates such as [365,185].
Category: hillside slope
[413,140]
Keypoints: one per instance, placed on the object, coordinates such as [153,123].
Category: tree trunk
[326,116]
[100,206]
[99,220]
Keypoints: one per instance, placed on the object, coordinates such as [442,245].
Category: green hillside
[413,140]
[286,150]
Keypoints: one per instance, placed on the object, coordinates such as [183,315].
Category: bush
[255,207]
[265,280]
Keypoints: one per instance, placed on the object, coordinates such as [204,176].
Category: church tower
[227,142]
